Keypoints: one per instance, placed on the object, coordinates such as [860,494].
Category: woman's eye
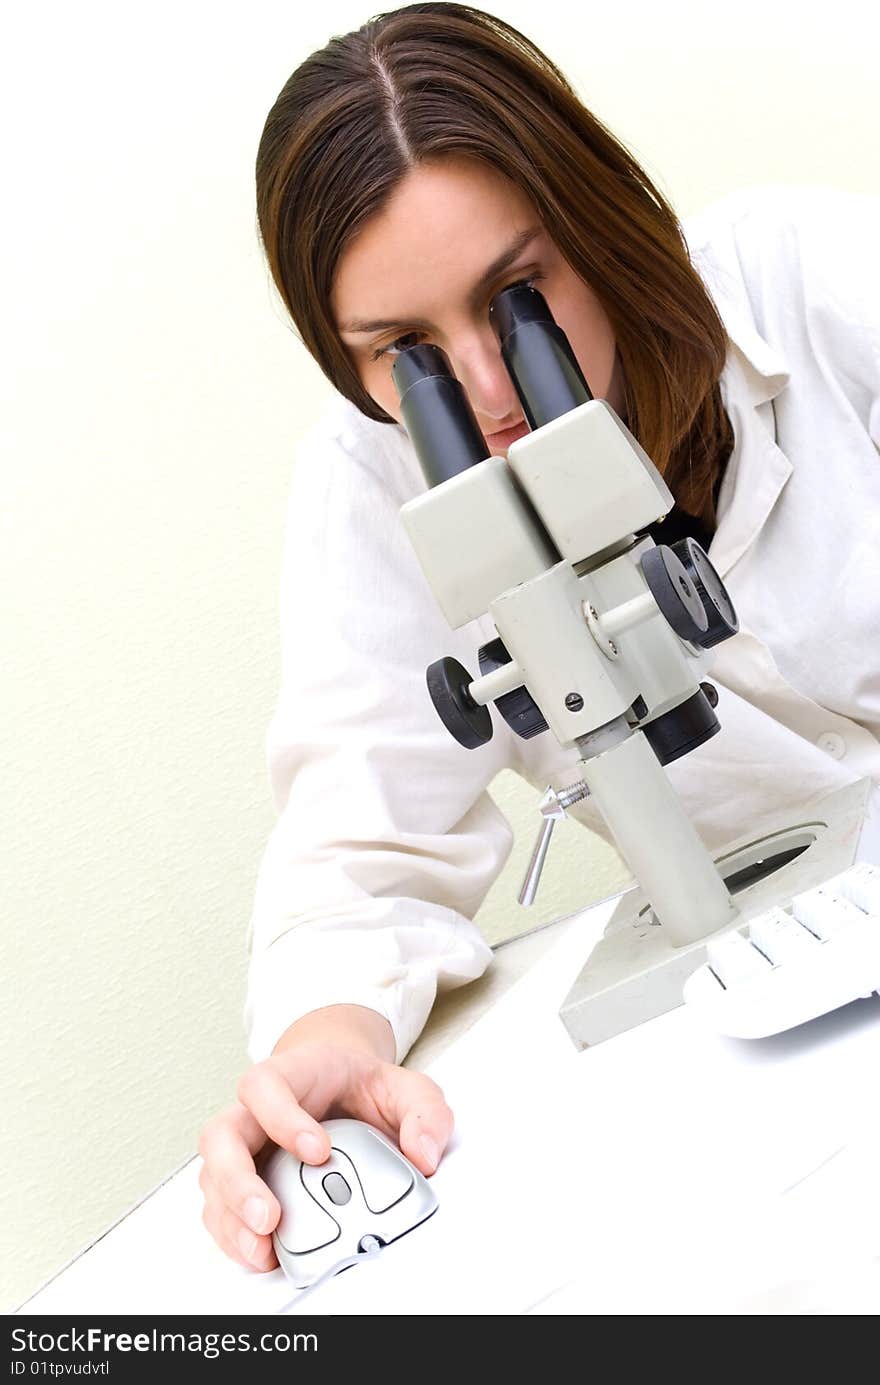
[393,345]
[524,283]
[401,343]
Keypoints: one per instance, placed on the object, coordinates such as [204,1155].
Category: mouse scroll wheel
[337,1189]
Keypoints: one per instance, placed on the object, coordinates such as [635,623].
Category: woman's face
[454,233]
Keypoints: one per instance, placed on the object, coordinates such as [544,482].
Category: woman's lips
[508,435]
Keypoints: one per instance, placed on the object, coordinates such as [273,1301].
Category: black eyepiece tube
[536,351]
[437,414]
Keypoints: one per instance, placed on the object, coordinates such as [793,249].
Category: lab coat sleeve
[386,840]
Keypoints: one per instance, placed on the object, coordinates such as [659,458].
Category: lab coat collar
[766,372]
[757,470]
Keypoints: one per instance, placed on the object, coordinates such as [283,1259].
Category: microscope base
[634,973]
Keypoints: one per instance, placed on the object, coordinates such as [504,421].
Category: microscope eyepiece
[537,354]
[516,305]
[437,414]
[416,363]
[539,360]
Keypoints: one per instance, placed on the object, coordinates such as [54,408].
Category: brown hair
[432,79]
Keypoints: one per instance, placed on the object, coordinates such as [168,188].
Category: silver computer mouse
[366,1188]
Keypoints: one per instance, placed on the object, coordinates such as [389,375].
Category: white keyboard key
[824,954]
[733,959]
[861,884]
[824,912]
[780,936]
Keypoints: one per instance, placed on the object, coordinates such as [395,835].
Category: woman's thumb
[425,1130]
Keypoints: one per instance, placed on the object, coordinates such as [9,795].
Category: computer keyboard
[790,965]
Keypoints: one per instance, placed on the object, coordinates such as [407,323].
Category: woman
[406,174]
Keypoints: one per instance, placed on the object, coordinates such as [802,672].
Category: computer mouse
[366,1189]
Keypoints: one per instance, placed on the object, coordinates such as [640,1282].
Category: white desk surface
[668,1171]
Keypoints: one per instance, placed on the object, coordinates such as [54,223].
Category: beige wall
[152,395]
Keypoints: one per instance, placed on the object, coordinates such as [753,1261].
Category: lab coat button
[832,744]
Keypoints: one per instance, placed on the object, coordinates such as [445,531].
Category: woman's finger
[237,1240]
[226,1145]
[269,1095]
[416,1107]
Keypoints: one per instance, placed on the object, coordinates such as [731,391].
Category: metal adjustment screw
[552,807]
[574,702]
[605,643]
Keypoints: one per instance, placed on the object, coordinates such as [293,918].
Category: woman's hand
[333,1062]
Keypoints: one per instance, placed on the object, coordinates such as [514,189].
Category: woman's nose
[489,388]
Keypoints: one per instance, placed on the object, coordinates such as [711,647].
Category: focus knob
[720,613]
[519,708]
[675,593]
[465,719]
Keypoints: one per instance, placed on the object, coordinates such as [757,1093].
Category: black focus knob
[675,593]
[518,708]
[677,732]
[720,613]
[465,719]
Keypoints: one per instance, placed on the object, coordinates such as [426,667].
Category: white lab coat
[387,841]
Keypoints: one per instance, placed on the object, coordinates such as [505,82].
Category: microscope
[604,640]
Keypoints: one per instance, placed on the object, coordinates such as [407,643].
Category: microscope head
[575,494]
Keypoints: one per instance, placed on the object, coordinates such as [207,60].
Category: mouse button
[304,1224]
[384,1174]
